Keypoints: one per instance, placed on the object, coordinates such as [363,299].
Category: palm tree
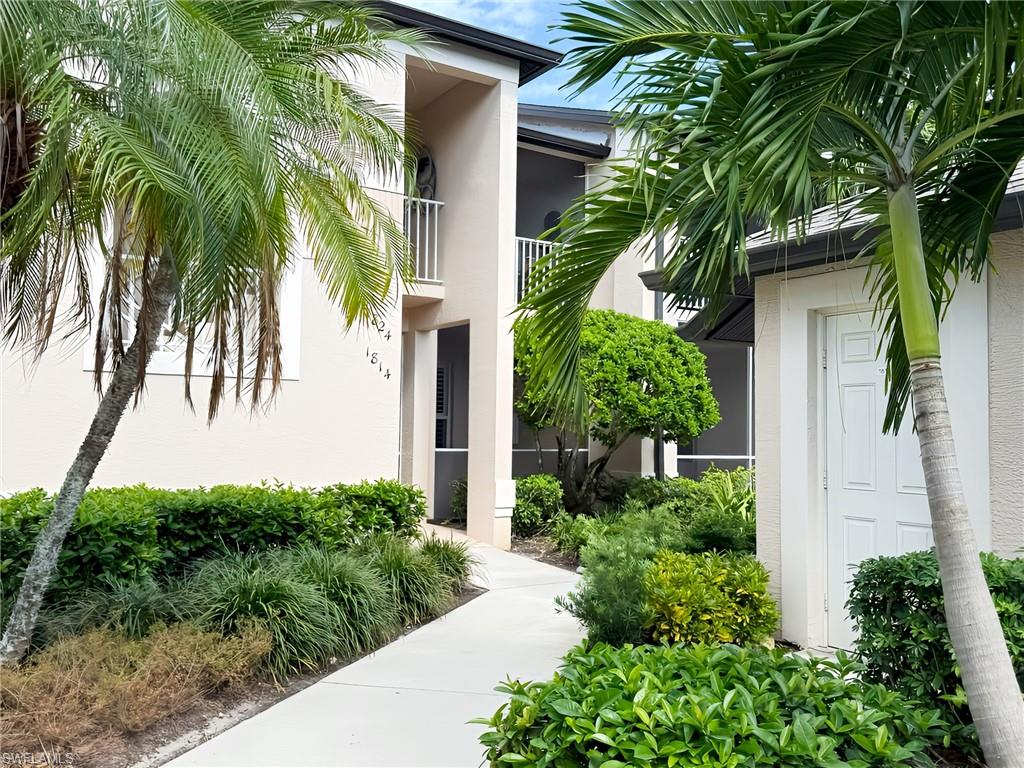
[748,116]
[197,148]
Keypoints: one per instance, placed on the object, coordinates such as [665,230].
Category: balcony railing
[528,253]
[422,218]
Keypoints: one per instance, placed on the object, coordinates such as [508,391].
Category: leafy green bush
[728,492]
[381,506]
[610,600]
[367,612]
[687,495]
[417,584]
[897,605]
[457,500]
[720,530]
[725,706]
[124,533]
[227,593]
[114,536]
[570,533]
[636,588]
[538,500]
[709,598]
[453,558]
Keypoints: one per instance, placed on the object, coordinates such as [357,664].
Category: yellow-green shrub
[709,598]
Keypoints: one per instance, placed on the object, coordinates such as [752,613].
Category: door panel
[874,483]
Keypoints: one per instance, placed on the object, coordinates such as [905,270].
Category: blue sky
[526,20]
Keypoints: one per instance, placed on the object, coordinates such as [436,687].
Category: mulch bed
[234,704]
[541,548]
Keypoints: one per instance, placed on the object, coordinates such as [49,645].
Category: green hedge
[903,639]
[725,706]
[538,500]
[127,532]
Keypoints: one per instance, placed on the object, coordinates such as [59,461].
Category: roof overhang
[533,138]
[826,246]
[534,60]
[570,114]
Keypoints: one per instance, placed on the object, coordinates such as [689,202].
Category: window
[442,430]
[169,357]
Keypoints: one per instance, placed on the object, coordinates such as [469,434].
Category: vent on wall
[442,424]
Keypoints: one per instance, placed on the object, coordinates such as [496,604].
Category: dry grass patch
[81,691]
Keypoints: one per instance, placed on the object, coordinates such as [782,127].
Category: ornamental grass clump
[132,607]
[453,558]
[366,614]
[419,587]
[305,626]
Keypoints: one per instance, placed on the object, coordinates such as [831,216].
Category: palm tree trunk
[974,629]
[18,632]
[977,637]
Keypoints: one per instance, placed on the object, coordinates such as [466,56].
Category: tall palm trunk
[993,695]
[18,632]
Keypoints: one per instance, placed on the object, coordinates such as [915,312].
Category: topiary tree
[638,377]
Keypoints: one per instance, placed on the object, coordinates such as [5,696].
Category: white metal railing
[422,218]
[528,253]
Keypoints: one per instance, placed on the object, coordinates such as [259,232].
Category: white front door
[875,494]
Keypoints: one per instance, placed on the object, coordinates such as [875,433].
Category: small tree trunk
[18,632]
[993,695]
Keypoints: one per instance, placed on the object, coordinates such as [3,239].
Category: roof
[829,239]
[534,60]
[545,140]
[574,114]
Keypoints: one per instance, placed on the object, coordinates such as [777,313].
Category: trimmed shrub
[74,694]
[384,506]
[538,500]
[227,594]
[418,586]
[453,558]
[725,706]
[124,533]
[114,536]
[709,598]
[897,605]
[367,613]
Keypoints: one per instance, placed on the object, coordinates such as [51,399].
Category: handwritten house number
[374,357]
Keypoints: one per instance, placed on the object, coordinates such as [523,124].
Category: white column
[419,404]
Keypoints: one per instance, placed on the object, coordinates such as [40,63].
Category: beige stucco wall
[1006,392]
[337,422]
[471,133]
[1005,306]
[767,415]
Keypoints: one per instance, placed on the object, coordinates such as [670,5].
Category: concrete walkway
[407,705]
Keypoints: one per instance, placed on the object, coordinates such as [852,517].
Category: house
[426,394]
[832,490]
